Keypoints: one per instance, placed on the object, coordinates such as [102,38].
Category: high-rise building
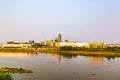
[59,38]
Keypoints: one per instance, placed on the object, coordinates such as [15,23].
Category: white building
[74,44]
[15,45]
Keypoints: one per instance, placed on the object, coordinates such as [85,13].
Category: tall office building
[59,38]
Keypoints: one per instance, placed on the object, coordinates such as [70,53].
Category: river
[48,66]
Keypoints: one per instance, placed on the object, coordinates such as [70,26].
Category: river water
[62,67]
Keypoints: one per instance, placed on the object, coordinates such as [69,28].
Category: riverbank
[86,53]
[67,52]
[93,53]
[28,50]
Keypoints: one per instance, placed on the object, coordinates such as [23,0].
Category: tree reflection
[110,57]
[6,76]
[69,56]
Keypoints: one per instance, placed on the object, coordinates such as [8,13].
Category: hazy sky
[76,20]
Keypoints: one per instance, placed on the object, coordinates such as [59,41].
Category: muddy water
[62,67]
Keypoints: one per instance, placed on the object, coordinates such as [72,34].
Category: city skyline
[75,20]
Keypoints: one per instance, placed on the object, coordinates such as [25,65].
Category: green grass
[14,70]
[4,76]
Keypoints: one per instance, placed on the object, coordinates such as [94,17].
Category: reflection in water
[16,54]
[96,59]
[110,57]
[69,56]
[59,56]
[71,67]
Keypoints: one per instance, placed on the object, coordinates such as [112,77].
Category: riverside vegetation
[14,70]
[5,72]
[84,51]
[6,76]
[115,51]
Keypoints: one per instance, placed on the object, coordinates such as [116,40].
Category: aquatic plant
[6,76]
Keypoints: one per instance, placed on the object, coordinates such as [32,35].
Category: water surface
[62,67]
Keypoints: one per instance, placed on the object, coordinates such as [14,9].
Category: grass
[14,70]
[85,52]
[4,76]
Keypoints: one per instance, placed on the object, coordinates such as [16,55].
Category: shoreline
[56,51]
[28,50]
[92,53]
[85,53]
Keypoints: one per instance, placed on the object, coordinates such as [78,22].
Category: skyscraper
[59,38]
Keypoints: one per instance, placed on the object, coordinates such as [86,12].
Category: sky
[75,20]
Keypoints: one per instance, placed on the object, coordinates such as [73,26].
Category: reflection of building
[55,55]
[96,59]
[58,57]
[15,54]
